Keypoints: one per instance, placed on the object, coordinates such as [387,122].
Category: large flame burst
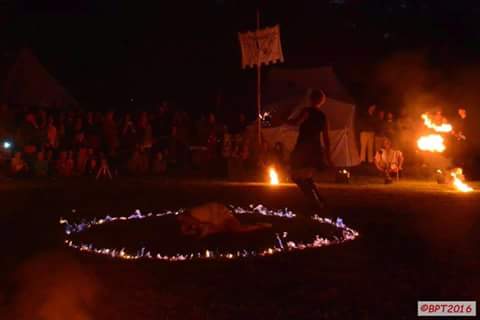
[432,143]
[435,143]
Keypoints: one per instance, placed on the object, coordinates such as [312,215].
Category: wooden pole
[259,87]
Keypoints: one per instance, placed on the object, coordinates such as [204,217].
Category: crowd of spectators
[381,139]
[78,143]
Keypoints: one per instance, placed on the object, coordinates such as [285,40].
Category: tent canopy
[287,100]
[28,83]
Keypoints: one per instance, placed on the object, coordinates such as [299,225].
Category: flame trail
[444,127]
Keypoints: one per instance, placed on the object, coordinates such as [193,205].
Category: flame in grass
[432,143]
[461,186]
[444,127]
[273,176]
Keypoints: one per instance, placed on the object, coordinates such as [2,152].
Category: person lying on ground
[212,218]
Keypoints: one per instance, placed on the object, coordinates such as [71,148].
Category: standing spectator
[138,163]
[40,166]
[134,162]
[179,137]
[462,148]
[390,127]
[69,164]
[159,165]
[42,119]
[51,163]
[367,135]
[144,132]
[92,132]
[52,134]
[239,125]
[162,126]
[82,160]
[28,134]
[92,162]
[110,133]
[215,132]
[61,164]
[379,130]
[69,130]
[129,134]
[42,128]
[61,130]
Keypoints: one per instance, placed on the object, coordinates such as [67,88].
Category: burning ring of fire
[282,243]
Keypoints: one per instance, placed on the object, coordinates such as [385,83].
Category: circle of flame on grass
[282,243]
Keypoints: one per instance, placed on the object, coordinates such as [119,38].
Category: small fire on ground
[272,173]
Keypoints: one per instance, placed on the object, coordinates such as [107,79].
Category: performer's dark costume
[308,154]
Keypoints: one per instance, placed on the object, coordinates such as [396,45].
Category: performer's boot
[303,186]
[308,188]
[314,194]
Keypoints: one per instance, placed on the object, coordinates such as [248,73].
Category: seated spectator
[92,163]
[144,161]
[51,163]
[61,164]
[138,163]
[389,160]
[40,166]
[82,159]
[70,164]
[159,164]
[390,127]
[18,167]
[79,141]
[104,168]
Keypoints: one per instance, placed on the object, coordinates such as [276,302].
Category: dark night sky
[107,51]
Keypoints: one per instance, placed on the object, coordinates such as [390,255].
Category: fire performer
[461,152]
[308,153]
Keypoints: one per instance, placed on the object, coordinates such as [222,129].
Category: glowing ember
[457,176]
[273,176]
[444,127]
[432,143]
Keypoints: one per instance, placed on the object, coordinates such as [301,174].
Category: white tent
[291,99]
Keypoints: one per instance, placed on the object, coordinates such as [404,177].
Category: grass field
[419,241]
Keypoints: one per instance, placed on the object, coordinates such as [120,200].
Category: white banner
[261,47]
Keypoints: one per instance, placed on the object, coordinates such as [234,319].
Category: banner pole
[259,102]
